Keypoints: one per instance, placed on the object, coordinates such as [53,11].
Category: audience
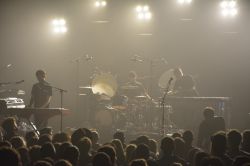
[82,147]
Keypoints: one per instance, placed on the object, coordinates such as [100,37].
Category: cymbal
[85,87]
[165,77]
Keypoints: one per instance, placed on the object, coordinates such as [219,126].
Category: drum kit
[119,107]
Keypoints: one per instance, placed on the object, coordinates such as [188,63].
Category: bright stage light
[229,8]
[182,2]
[59,26]
[100,4]
[143,12]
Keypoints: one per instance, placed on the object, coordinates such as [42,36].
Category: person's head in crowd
[95,136]
[234,139]
[1,135]
[71,154]
[241,160]
[152,144]
[48,150]
[61,137]
[46,130]
[48,159]
[176,164]
[191,155]
[179,147]
[5,144]
[30,134]
[84,146]
[129,151]
[138,162]
[25,156]
[219,143]
[176,134]
[9,126]
[44,138]
[119,149]
[17,142]
[42,163]
[198,157]
[188,137]
[35,153]
[246,141]
[32,141]
[57,146]
[102,159]
[167,145]
[62,162]
[110,151]
[77,135]
[142,151]
[143,139]
[10,157]
[62,148]
[208,113]
[120,135]
[212,161]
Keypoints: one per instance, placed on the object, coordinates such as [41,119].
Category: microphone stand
[163,106]
[61,105]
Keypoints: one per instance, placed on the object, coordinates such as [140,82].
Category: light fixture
[59,26]
[228,8]
[143,12]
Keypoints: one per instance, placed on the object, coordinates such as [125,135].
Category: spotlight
[229,8]
[182,2]
[59,26]
[143,12]
[100,3]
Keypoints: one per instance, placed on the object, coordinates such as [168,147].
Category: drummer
[133,87]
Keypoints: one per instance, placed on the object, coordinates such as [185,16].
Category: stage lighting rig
[228,8]
[100,4]
[143,12]
[59,26]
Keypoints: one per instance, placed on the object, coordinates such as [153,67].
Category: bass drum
[103,118]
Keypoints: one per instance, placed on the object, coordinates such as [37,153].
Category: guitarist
[41,94]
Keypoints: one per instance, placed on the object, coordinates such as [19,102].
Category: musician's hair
[40,72]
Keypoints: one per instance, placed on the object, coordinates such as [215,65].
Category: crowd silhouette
[216,146]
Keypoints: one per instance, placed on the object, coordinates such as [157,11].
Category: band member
[40,97]
[136,85]
[184,84]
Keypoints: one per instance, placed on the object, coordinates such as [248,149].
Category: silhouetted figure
[41,94]
[138,162]
[120,135]
[241,160]
[62,162]
[44,139]
[208,127]
[188,138]
[9,157]
[84,147]
[246,141]
[110,151]
[234,140]
[129,151]
[212,161]
[17,142]
[42,163]
[48,150]
[35,153]
[102,159]
[72,155]
[95,141]
[119,151]
[9,126]
[219,147]
[199,156]
[179,147]
[168,157]
[25,156]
